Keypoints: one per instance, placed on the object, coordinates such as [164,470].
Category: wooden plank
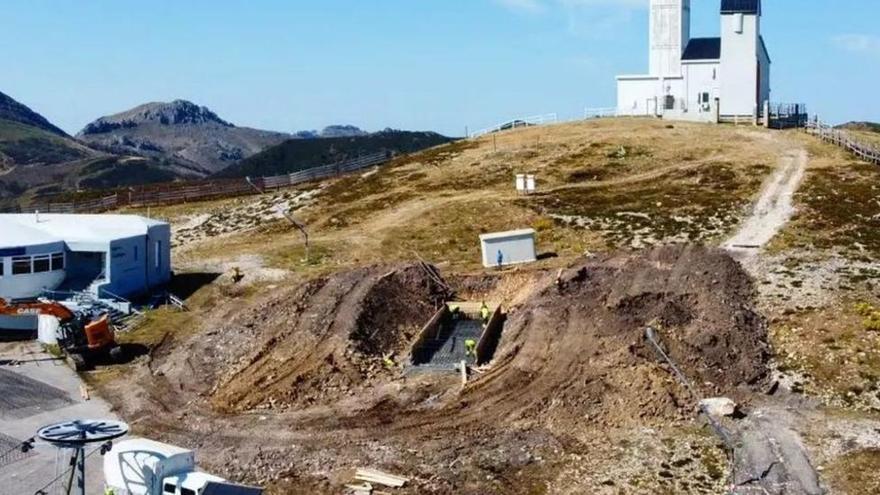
[380,477]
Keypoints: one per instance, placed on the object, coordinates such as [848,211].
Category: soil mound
[579,354]
[316,343]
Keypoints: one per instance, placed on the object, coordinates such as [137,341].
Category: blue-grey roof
[702,49]
[741,7]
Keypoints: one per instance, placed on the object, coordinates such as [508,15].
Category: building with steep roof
[701,79]
[105,255]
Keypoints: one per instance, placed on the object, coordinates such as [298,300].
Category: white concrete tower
[745,64]
[670,32]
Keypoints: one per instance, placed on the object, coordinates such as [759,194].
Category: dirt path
[773,209]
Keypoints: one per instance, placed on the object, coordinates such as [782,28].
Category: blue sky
[416,64]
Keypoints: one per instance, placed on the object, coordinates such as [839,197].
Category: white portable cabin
[125,255]
[511,248]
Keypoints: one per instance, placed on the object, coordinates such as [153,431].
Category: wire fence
[191,191]
[865,151]
[11,450]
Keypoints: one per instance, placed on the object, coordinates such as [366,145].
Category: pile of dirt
[318,342]
[578,355]
[572,368]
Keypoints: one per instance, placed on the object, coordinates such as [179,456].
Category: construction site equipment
[146,467]
[83,337]
[76,436]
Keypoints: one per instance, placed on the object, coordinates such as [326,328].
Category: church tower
[670,32]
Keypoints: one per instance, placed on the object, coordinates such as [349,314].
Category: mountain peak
[16,112]
[177,112]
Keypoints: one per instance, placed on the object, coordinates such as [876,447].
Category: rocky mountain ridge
[13,111]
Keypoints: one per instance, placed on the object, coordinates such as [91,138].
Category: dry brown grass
[855,473]
[837,206]
[683,177]
[835,351]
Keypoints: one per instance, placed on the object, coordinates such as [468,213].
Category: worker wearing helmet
[470,348]
[485,314]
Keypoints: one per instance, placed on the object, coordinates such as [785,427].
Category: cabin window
[187,491]
[57,261]
[158,254]
[21,265]
[169,488]
[135,253]
[738,23]
[714,74]
[42,264]
[1,266]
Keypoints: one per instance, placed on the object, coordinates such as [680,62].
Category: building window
[42,264]
[21,265]
[57,261]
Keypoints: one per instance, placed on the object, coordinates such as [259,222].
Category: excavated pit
[572,365]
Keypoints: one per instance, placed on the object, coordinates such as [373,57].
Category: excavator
[82,337]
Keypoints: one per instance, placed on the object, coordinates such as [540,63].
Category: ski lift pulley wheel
[80,432]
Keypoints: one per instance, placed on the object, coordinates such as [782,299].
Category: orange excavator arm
[36,308]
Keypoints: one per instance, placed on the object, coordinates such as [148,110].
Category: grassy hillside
[861,126]
[617,183]
[26,145]
[300,154]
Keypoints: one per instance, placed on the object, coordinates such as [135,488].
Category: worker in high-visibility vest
[485,313]
[470,348]
[388,361]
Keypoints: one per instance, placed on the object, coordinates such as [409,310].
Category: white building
[105,255]
[701,79]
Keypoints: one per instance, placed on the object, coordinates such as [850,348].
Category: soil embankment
[572,364]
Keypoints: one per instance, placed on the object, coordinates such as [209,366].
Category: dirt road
[771,458]
[773,209]
[37,392]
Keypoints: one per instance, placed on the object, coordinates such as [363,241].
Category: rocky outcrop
[181,134]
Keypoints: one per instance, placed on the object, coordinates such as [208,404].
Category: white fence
[549,118]
[599,113]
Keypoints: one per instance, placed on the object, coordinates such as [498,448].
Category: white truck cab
[147,467]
